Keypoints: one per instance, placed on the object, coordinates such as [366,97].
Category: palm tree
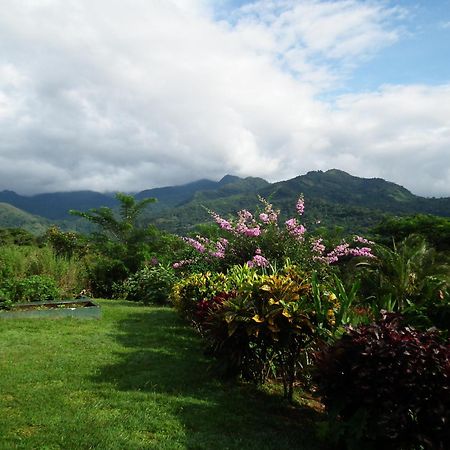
[120,235]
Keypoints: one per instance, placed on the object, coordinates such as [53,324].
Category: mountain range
[333,198]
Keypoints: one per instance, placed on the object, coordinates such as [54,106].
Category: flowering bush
[259,240]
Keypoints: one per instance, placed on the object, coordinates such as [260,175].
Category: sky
[110,95]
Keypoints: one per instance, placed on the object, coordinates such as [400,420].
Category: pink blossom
[218,254]
[295,229]
[224,242]
[363,251]
[318,247]
[362,240]
[224,224]
[183,262]
[220,247]
[195,244]
[245,215]
[269,215]
[344,249]
[300,206]
[258,260]
[252,232]
[291,223]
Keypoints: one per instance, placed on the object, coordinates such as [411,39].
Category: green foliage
[122,229]
[66,244]
[16,236]
[121,243]
[389,385]
[35,288]
[409,278]
[20,262]
[104,274]
[260,325]
[189,291]
[436,230]
[150,285]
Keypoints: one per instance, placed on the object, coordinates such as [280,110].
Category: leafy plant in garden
[268,312]
[37,288]
[389,385]
[190,291]
[152,284]
[259,325]
[410,279]
[20,262]
[122,244]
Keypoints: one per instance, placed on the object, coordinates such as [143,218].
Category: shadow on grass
[164,357]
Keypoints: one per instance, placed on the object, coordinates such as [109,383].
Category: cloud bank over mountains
[113,95]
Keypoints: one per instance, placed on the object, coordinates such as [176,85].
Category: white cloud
[113,95]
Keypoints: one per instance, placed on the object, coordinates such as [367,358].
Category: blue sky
[110,95]
[421,55]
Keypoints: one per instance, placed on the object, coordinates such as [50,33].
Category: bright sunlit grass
[136,379]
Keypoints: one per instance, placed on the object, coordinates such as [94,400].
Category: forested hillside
[334,198]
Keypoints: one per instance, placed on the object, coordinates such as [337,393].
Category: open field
[136,379]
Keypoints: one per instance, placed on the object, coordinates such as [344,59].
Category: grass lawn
[136,379]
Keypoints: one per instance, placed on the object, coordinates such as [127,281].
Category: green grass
[136,379]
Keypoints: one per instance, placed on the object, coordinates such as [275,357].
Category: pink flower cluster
[182,263]
[300,206]
[220,247]
[362,240]
[196,244]
[344,249]
[246,224]
[269,216]
[224,224]
[203,245]
[295,229]
[317,246]
[258,260]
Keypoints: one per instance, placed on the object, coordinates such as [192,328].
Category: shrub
[259,325]
[190,291]
[389,384]
[270,324]
[66,244]
[103,274]
[259,240]
[39,288]
[152,284]
[21,262]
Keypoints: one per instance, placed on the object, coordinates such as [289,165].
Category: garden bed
[80,309]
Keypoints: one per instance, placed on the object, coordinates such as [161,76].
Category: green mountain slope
[334,197]
[56,205]
[12,217]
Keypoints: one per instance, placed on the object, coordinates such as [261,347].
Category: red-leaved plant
[389,386]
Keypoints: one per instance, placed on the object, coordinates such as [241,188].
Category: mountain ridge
[333,194]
